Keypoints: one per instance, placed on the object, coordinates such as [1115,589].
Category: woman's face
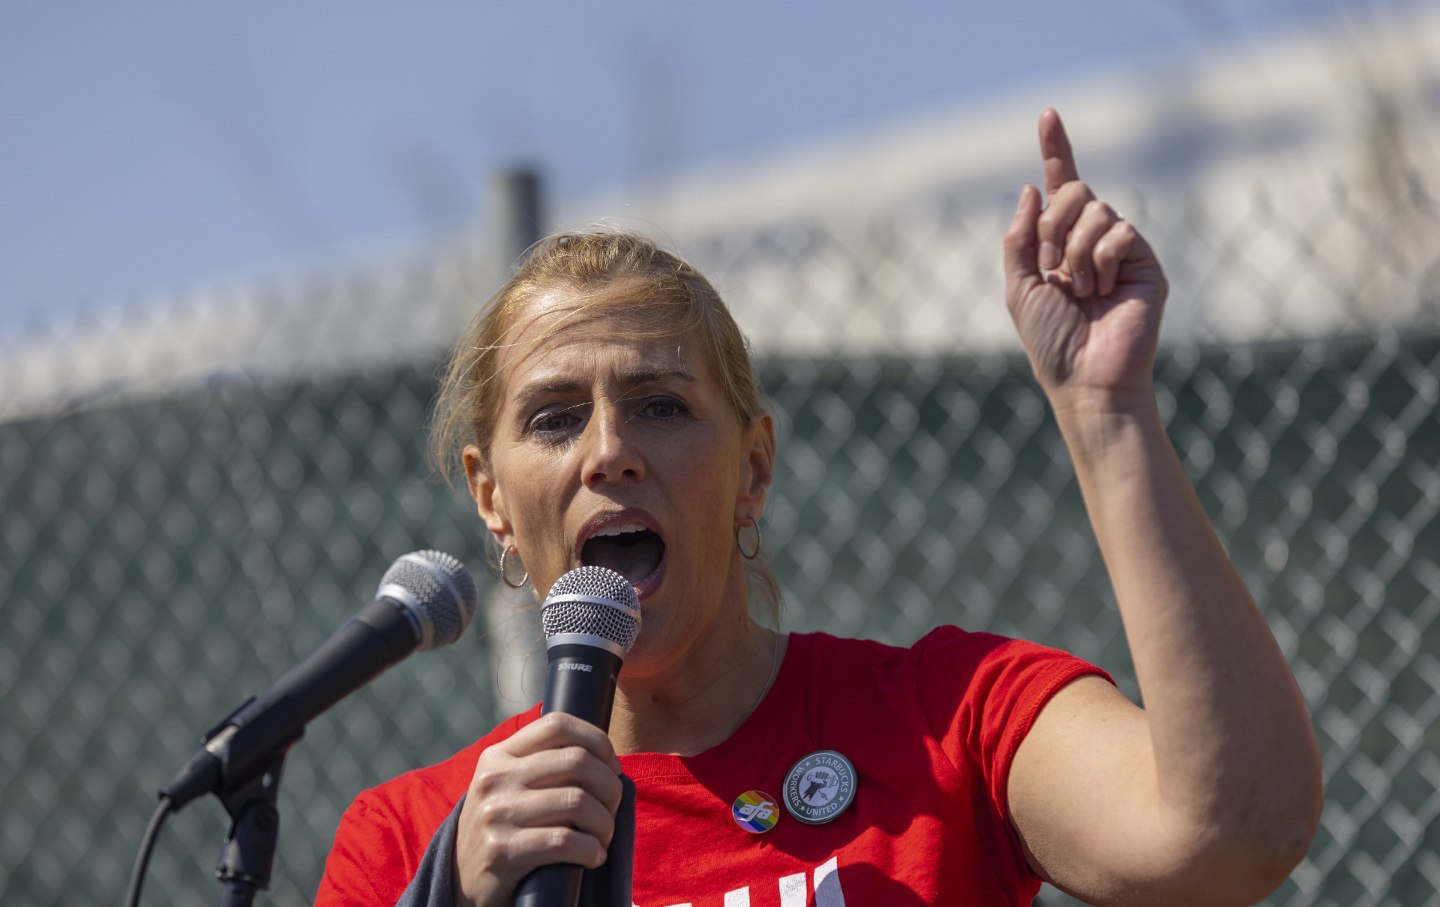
[625,453]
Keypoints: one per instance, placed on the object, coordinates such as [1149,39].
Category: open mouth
[631,551]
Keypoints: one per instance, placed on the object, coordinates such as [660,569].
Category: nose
[610,453]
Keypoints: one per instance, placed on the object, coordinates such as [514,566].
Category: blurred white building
[1331,132]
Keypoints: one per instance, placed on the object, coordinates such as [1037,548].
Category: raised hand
[1213,792]
[1083,286]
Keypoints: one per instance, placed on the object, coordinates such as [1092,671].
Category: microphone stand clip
[248,855]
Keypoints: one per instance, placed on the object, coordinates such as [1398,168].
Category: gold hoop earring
[759,542]
[505,572]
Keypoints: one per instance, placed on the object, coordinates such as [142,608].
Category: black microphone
[425,601]
[591,619]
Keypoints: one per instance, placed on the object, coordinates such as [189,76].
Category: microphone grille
[593,601]
[438,591]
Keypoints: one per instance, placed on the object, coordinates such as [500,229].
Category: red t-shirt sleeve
[367,859]
[383,834]
[982,693]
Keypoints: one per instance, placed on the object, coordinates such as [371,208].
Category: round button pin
[820,787]
[755,811]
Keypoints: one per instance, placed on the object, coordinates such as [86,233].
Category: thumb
[1022,263]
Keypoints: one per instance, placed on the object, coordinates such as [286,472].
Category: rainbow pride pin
[755,811]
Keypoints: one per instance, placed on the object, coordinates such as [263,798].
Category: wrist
[1094,423]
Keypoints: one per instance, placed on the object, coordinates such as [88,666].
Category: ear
[757,470]
[489,502]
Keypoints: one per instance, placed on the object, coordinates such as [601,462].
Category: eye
[552,422]
[663,408]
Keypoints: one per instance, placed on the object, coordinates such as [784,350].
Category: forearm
[1234,751]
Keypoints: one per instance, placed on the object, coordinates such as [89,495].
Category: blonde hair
[656,293]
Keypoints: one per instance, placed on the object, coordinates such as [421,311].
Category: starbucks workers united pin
[819,787]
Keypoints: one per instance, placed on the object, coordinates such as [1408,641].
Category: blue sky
[153,147]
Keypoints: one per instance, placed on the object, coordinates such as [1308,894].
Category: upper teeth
[620,530]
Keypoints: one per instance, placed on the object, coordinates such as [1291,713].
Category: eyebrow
[629,379]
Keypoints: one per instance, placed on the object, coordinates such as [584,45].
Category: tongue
[634,555]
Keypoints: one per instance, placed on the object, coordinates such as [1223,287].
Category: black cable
[142,859]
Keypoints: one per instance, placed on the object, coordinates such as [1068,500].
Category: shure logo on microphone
[574,666]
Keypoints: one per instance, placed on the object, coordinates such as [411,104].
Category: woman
[611,417]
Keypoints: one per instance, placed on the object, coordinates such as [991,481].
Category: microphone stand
[248,854]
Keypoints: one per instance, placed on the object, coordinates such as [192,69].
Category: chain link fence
[164,556]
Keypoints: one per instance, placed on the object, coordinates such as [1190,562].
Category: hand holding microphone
[523,828]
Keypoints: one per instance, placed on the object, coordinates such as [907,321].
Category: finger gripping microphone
[591,619]
[425,601]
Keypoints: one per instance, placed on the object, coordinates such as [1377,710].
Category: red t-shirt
[930,730]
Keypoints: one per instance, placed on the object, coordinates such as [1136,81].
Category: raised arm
[1212,793]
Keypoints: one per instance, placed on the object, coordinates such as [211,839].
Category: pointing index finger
[1055,149]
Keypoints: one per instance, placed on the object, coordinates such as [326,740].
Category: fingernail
[1049,256]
